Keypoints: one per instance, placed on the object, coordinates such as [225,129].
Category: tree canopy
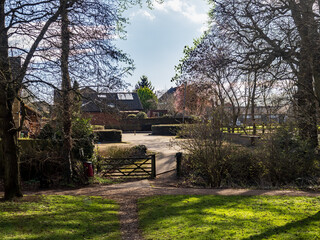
[255,48]
[30,31]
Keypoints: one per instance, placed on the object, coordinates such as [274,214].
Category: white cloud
[184,8]
[203,29]
[143,13]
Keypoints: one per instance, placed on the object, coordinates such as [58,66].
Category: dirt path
[129,221]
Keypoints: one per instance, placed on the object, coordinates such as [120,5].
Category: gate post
[153,166]
[179,158]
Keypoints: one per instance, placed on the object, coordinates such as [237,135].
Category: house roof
[93,101]
[168,93]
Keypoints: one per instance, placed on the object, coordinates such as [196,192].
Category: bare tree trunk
[253,97]
[66,88]
[8,133]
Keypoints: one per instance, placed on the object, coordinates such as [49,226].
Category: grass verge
[59,217]
[230,217]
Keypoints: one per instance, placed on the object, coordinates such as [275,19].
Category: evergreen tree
[144,82]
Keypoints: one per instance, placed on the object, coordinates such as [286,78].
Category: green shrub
[82,136]
[205,161]
[119,152]
[139,150]
[40,159]
[282,159]
[166,129]
[195,119]
[82,149]
[289,159]
[141,115]
[109,135]
[83,139]
[47,132]
[244,168]
[132,116]
[167,116]
[124,152]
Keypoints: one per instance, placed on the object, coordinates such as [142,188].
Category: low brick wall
[105,119]
[116,121]
[245,140]
[146,124]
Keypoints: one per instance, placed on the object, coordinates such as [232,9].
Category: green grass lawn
[59,217]
[234,217]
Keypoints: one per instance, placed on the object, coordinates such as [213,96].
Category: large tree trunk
[11,160]
[66,88]
[303,16]
[8,134]
[306,110]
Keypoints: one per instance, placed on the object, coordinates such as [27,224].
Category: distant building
[106,108]
[262,114]
[122,102]
[167,94]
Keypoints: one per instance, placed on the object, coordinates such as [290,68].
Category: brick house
[107,108]
[32,123]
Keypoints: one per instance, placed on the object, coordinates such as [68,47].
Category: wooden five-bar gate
[131,167]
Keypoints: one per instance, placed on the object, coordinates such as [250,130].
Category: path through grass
[230,217]
[59,217]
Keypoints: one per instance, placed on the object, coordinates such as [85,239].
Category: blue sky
[156,38]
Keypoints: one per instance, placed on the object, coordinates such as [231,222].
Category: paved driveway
[165,159]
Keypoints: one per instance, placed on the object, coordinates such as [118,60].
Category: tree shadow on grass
[60,218]
[283,229]
[218,217]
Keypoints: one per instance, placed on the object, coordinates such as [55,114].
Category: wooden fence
[133,167]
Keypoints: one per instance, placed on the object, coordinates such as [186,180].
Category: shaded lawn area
[230,217]
[59,217]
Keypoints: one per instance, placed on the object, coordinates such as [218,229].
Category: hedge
[166,130]
[109,135]
[27,148]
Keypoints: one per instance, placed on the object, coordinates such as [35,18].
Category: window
[102,95]
[125,96]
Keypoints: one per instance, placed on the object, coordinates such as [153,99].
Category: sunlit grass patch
[230,217]
[59,217]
